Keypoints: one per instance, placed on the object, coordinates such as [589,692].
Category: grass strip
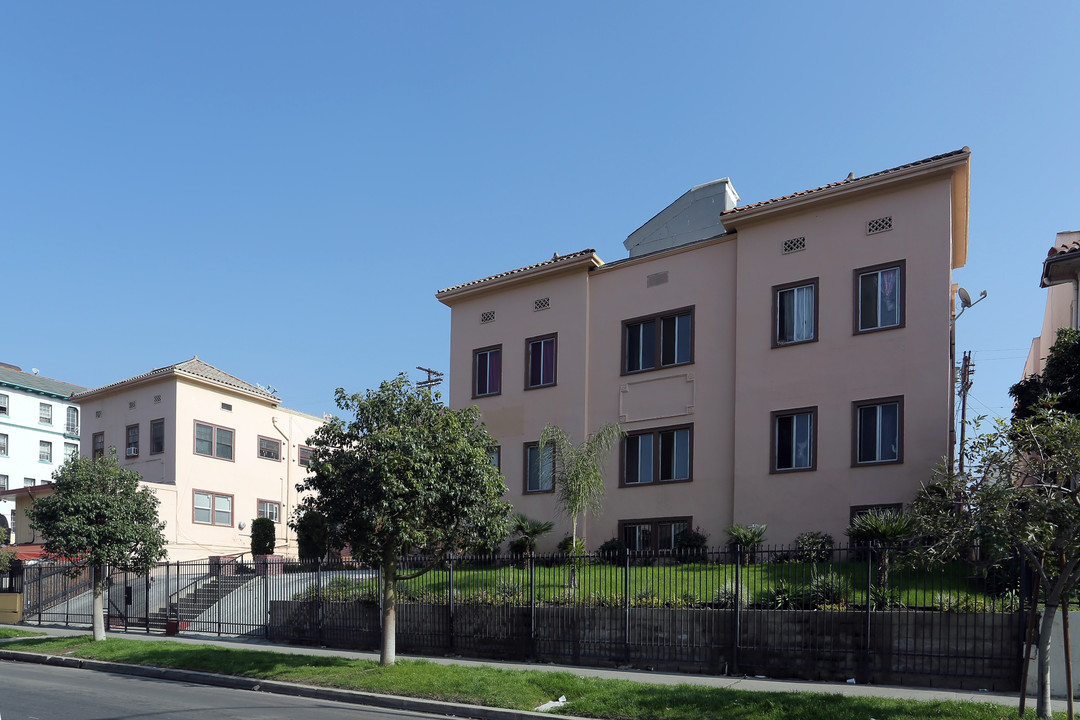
[10,632]
[514,689]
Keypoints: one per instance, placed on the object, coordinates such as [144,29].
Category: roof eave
[172,372]
[450,296]
[1060,268]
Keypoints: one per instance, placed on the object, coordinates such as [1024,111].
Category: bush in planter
[312,536]
[263,536]
[813,546]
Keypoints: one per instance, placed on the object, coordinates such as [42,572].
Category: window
[303,455]
[3,444]
[540,359]
[654,534]
[211,508]
[71,450]
[496,457]
[3,482]
[879,297]
[794,440]
[226,407]
[795,312]
[157,436]
[71,427]
[270,509]
[44,451]
[29,482]
[879,431]
[45,413]
[658,455]
[98,446]
[132,434]
[4,404]
[487,371]
[269,449]
[213,441]
[671,335]
[539,468]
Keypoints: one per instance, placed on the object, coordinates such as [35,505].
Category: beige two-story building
[787,362]
[217,451]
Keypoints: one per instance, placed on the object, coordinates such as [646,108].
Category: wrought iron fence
[870,613]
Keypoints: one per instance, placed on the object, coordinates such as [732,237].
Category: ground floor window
[653,534]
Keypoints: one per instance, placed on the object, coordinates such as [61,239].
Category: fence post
[266,596]
[318,601]
[866,629]
[626,606]
[450,602]
[40,594]
[532,606]
[735,622]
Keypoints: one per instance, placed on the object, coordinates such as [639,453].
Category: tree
[404,474]
[99,515]
[526,531]
[1021,494]
[578,470]
[1060,377]
[263,536]
[882,530]
[311,536]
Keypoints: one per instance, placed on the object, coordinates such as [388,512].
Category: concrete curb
[236,682]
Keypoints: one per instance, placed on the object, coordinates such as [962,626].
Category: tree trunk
[99,605]
[389,610]
[1046,629]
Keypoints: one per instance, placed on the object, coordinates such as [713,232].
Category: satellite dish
[965,298]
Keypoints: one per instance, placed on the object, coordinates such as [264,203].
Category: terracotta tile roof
[557,260]
[195,367]
[28,381]
[847,181]
[1064,248]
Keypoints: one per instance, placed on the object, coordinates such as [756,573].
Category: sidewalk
[640,676]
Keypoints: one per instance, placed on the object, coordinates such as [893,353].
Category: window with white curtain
[795,312]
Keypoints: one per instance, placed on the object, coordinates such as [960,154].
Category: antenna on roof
[965,300]
[434,378]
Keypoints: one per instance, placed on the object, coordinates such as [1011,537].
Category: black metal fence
[873,614]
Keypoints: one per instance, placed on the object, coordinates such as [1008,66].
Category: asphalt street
[38,692]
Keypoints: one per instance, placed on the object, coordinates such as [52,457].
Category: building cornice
[587,259]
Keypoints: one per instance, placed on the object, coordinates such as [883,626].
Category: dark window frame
[475,366]
[300,452]
[774,417]
[131,441]
[658,339]
[654,531]
[776,290]
[855,437]
[656,459]
[259,448]
[159,422]
[525,466]
[97,450]
[554,338]
[856,314]
[258,509]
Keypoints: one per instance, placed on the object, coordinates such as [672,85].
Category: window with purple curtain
[541,361]
[487,376]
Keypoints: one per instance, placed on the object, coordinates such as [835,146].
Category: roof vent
[487,316]
[541,304]
[656,279]
[879,225]
[793,245]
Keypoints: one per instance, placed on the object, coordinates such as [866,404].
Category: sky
[281,188]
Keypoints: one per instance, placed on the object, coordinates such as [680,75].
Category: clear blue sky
[281,188]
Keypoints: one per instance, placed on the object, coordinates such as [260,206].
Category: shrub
[813,546]
[883,598]
[311,536]
[829,588]
[690,545]
[341,589]
[726,597]
[612,550]
[784,596]
[522,546]
[263,536]
[527,532]
[5,535]
[746,538]
[7,559]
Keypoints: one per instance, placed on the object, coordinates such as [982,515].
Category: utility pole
[434,378]
[967,370]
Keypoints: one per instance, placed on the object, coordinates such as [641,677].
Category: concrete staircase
[195,602]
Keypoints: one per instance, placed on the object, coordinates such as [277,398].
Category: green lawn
[11,632]
[768,585]
[515,689]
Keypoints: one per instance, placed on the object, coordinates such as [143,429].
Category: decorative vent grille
[131,405]
[97,414]
[487,316]
[656,279]
[879,225]
[541,304]
[157,398]
[226,406]
[793,245]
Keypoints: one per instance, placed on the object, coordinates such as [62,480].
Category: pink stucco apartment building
[786,362]
[217,452]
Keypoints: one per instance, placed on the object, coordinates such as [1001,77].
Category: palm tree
[527,531]
[882,528]
[578,470]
